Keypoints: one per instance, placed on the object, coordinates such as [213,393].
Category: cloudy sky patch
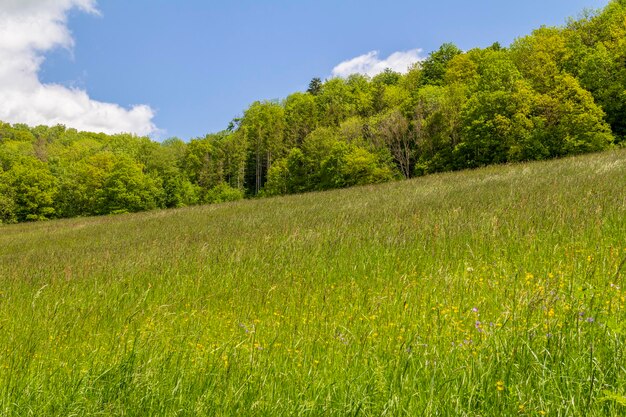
[29,29]
[371,64]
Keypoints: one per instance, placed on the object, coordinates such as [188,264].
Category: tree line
[559,91]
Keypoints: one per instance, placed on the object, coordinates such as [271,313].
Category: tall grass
[496,291]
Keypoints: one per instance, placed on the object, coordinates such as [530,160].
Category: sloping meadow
[497,291]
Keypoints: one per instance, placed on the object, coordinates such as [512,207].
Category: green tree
[354,130]
[596,46]
[495,121]
[362,167]
[571,122]
[434,67]
[7,204]
[278,178]
[263,126]
[462,70]
[348,164]
[387,77]
[335,102]
[81,184]
[235,150]
[27,191]
[360,95]
[316,148]
[436,126]
[127,189]
[222,193]
[315,86]
[204,162]
[301,118]
[165,161]
[393,129]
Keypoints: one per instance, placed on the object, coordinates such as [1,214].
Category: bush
[222,193]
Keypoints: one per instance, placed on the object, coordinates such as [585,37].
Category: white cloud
[28,29]
[370,64]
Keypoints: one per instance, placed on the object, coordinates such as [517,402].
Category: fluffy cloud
[370,64]
[29,28]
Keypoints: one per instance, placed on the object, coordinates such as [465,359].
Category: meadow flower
[342,338]
[500,385]
[478,326]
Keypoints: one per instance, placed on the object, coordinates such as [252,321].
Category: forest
[558,91]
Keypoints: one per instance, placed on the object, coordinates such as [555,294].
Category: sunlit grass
[497,291]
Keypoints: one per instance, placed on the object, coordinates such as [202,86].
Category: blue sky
[197,64]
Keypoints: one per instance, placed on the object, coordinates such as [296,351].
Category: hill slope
[486,292]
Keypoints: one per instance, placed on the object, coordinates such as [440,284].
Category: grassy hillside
[496,291]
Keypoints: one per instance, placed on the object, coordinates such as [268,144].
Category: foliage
[27,191]
[434,67]
[127,189]
[222,193]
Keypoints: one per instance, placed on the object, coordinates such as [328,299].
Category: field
[492,292]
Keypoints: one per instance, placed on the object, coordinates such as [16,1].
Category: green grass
[490,292]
